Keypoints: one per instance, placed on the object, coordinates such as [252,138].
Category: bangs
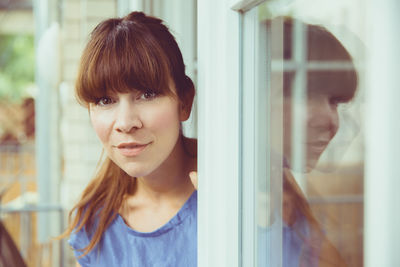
[119,59]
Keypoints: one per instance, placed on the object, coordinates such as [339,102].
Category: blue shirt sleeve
[78,241]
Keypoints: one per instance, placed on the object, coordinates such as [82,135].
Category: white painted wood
[382,172]
[248,143]
[218,113]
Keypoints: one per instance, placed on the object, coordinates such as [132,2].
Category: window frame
[218,134]
[255,137]
[381,152]
[226,202]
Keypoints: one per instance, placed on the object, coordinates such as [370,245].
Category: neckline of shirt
[183,212]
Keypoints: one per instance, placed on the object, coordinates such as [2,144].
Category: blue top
[174,244]
[299,248]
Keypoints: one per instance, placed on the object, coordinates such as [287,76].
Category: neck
[171,179]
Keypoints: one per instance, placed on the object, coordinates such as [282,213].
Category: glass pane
[308,133]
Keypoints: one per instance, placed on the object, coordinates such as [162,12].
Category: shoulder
[80,239]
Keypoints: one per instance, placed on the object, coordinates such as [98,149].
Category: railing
[19,208]
[21,223]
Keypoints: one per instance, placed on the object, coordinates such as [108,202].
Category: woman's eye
[104,101]
[148,95]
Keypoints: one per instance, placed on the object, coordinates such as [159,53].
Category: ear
[186,104]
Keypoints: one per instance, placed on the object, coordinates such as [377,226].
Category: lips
[131,149]
[318,146]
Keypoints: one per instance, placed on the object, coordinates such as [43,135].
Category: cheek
[101,125]
[166,119]
[287,114]
[335,121]
[293,113]
[163,119]
[300,110]
[287,124]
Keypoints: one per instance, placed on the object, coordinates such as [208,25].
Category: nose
[323,116]
[127,117]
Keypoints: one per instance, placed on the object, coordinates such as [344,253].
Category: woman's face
[318,115]
[138,130]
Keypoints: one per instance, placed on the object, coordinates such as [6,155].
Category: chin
[307,166]
[137,172]
[312,161]
[304,169]
[310,167]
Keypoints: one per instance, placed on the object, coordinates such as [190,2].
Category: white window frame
[248,158]
[219,155]
[222,215]
[218,134]
[256,142]
[381,219]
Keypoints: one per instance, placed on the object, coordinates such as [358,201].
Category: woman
[304,241]
[327,89]
[140,208]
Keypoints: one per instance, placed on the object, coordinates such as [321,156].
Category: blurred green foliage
[17,54]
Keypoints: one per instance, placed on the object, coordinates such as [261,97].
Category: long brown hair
[136,52]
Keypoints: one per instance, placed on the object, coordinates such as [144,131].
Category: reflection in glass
[313,80]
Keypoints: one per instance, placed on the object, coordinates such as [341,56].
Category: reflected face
[326,91]
[138,130]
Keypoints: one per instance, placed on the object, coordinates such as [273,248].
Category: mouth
[131,149]
[318,146]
